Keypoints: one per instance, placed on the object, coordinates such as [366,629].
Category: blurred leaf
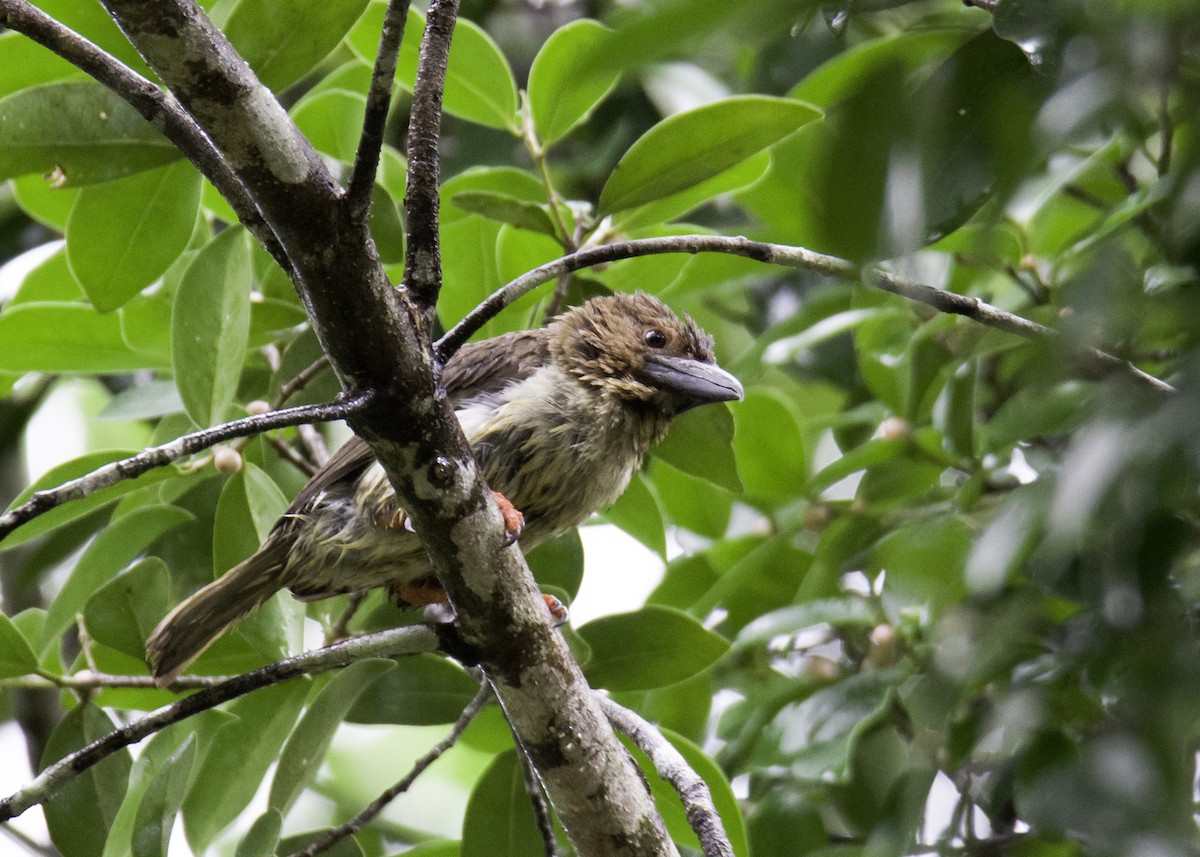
[210,326]
[771,458]
[499,821]
[68,512]
[234,767]
[66,337]
[421,690]
[765,578]
[306,746]
[249,506]
[838,612]
[332,121]
[564,87]
[81,813]
[262,837]
[652,647]
[924,563]
[559,563]
[283,41]
[637,513]
[691,502]
[687,148]
[700,443]
[346,847]
[16,656]
[122,613]
[80,131]
[123,235]
[164,796]
[506,209]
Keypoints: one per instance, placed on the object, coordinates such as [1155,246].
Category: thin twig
[537,799]
[791,257]
[302,380]
[1166,126]
[376,806]
[341,628]
[422,262]
[35,848]
[148,459]
[95,680]
[385,644]
[379,99]
[157,107]
[314,443]
[672,767]
[289,454]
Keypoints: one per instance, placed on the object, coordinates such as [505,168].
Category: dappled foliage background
[938,584]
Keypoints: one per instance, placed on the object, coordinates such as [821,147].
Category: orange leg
[514,521]
[421,592]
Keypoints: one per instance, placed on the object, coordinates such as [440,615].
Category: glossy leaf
[122,613]
[771,457]
[80,814]
[80,131]
[29,64]
[499,820]
[652,647]
[164,796]
[284,41]
[559,563]
[306,746]
[210,326]
[66,337]
[685,149]
[123,235]
[700,443]
[16,656]
[421,690]
[638,514]
[77,508]
[564,86]
[506,209]
[332,121]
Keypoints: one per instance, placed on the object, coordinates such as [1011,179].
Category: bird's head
[633,347]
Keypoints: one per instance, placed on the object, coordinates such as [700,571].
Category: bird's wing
[344,466]
[489,366]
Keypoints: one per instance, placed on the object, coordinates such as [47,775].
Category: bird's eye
[656,338]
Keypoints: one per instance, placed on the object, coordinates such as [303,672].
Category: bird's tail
[191,627]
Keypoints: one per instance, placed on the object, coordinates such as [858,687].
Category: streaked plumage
[558,419]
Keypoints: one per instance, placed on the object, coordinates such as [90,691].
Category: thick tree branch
[1093,359]
[385,644]
[41,502]
[349,828]
[379,99]
[422,263]
[157,107]
[672,767]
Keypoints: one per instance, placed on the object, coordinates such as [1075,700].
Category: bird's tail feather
[191,627]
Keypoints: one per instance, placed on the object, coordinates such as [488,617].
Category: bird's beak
[696,382]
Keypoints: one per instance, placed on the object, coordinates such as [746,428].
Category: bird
[558,420]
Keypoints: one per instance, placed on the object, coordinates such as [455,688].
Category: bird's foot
[421,593]
[514,521]
[557,609]
[394,520]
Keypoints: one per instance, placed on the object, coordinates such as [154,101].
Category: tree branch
[358,822]
[537,799]
[379,99]
[41,502]
[672,767]
[157,107]
[790,257]
[422,263]
[409,640]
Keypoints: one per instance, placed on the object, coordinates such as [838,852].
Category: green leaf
[652,647]
[283,41]
[506,209]
[236,764]
[332,121]
[479,82]
[869,454]
[80,814]
[764,579]
[687,148]
[769,447]
[26,63]
[122,613]
[638,514]
[122,235]
[499,821]
[68,512]
[422,690]
[700,443]
[837,612]
[113,549]
[691,502]
[66,337]
[16,655]
[164,796]
[80,131]
[559,563]
[564,87]
[210,326]
[676,205]
[262,837]
[306,746]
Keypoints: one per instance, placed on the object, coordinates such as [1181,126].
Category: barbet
[558,419]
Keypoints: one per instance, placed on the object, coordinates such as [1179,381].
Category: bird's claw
[514,521]
[557,609]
